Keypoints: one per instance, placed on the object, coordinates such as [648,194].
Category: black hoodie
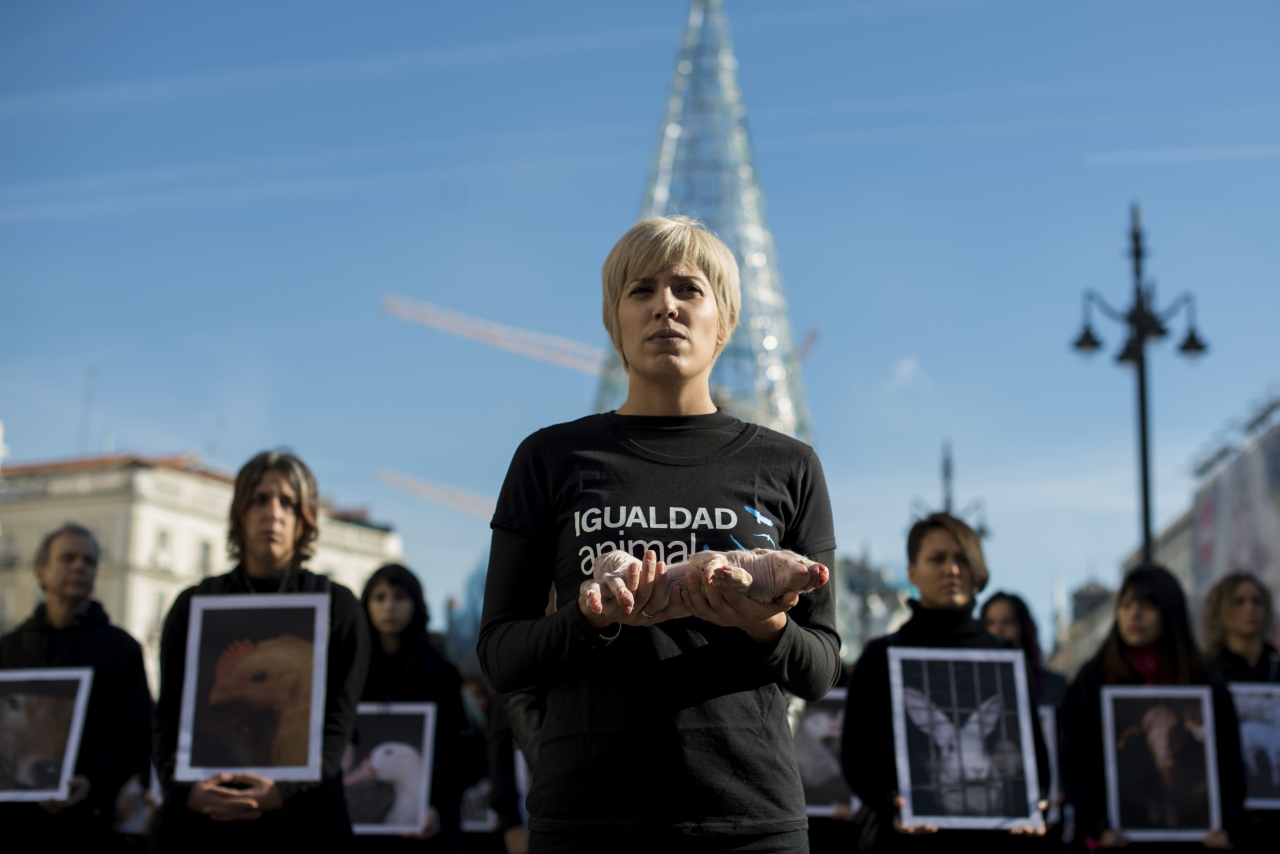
[116,740]
[867,751]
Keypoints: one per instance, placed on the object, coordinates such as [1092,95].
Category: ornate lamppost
[1145,322]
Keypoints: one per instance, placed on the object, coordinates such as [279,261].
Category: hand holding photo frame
[254,689]
[1161,761]
[41,720]
[963,738]
[387,775]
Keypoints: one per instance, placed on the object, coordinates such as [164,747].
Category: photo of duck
[392,763]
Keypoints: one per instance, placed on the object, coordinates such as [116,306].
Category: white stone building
[162,525]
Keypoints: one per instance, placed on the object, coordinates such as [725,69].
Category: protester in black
[69,629]
[273,523]
[1006,616]
[661,733]
[945,563]
[1150,644]
[405,668]
[1237,617]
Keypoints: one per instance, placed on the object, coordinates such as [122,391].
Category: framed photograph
[1258,709]
[478,816]
[964,738]
[41,719]
[817,746]
[253,694]
[1161,760]
[1049,728]
[387,774]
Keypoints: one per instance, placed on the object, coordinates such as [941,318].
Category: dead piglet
[762,574]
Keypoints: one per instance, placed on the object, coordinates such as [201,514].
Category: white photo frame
[1258,710]
[285,729]
[982,696]
[1124,717]
[1049,729]
[41,710]
[817,748]
[396,752]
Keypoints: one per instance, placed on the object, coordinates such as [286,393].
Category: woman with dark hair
[274,521]
[1149,644]
[405,668]
[947,567]
[1006,616]
[1238,622]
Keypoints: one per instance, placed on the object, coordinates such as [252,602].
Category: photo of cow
[386,771]
[1161,761]
[817,746]
[254,687]
[41,719]
[1258,709]
[963,738]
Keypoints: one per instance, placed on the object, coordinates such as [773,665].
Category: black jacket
[1233,668]
[115,742]
[1084,781]
[314,814]
[418,673]
[867,744]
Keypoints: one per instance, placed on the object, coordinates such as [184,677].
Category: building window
[8,551]
[162,557]
[206,558]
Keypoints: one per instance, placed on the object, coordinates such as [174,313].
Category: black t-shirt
[680,726]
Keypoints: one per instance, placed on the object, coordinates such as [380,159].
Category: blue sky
[208,203]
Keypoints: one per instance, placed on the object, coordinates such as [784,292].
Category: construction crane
[471,503]
[564,352]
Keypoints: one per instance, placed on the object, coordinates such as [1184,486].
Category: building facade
[162,526]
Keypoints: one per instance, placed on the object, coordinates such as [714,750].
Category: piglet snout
[820,574]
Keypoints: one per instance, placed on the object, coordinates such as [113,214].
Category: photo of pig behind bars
[36,718]
[1161,762]
[253,691]
[964,737]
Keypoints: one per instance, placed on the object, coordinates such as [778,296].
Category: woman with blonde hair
[662,732]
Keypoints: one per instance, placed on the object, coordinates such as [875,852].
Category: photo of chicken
[256,693]
[274,674]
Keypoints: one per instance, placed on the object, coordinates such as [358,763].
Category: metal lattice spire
[703,167]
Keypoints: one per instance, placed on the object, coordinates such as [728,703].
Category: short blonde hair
[654,245]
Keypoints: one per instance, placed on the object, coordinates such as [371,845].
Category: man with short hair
[70,629]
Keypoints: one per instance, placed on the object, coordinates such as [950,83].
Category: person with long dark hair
[1238,622]
[1007,616]
[274,522]
[662,732]
[1150,643]
[947,567]
[404,667]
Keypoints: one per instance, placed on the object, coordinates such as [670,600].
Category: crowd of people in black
[655,719]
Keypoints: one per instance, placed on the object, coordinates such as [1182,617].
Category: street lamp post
[1145,322]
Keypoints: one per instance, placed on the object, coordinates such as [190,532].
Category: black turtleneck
[867,751]
[1234,668]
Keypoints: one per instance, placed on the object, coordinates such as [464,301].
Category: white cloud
[905,371]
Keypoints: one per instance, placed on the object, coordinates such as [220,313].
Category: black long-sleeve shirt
[314,813]
[1084,780]
[116,741]
[686,709]
[867,742]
